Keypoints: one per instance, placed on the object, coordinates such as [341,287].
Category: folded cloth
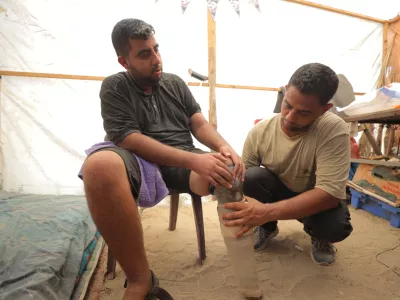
[152,189]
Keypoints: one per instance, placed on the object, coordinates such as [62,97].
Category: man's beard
[294,128]
[143,81]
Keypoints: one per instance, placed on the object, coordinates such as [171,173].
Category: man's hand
[247,215]
[212,167]
[239,170]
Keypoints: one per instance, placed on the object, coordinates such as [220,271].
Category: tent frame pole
[212,68]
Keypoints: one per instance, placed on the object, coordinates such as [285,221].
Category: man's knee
[332,232]
[253,175]
[256,179]
[201,186]
[103,167]
[229,162]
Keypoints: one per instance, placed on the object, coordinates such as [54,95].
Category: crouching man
[297,165]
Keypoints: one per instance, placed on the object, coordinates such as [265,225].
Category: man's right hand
[212,167]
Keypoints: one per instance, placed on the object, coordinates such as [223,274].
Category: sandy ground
[366,265]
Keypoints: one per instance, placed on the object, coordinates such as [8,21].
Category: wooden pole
[101,78]
[212,64]
[1,151]
[51,75]
[389,145]
[362,190]
[236,86]
[384,51]
[395,19]
[371,140]
[337,10]
[247,87]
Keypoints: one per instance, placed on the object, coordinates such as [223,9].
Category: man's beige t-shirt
[318,158]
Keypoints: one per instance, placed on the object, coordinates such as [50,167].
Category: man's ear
[123,62]
[327,107]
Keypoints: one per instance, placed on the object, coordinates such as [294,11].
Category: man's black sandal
[156,292]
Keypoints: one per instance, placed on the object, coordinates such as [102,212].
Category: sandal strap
[159,293]
[156,292]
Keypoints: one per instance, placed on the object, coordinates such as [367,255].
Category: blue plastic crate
[376,207]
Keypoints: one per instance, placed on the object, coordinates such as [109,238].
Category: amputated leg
[240,250]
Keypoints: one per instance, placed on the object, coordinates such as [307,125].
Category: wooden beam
[51,75]
[384,41]
[212,72]
[362,190]
[246,87]
[101,78]
[384,51]
[236,86]
[389,164]
[395,19]
[391,116]
[371,140]
[337,10]
[389,145]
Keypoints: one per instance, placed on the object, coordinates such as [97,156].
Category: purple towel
[152,188]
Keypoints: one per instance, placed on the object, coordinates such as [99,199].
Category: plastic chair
[173,216]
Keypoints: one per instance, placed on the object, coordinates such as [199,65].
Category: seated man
[297,166]
[151,114]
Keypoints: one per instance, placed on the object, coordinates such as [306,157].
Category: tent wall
[46,124]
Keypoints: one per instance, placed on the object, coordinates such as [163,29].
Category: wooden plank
[362,190]
[101,78]
[371,140]
[337,10]
[380,180]
[236,86]
[389,145]
[376,117]
[51,75]
[384,48]
[246,87]
[212,72]
[376,162]
[395,19]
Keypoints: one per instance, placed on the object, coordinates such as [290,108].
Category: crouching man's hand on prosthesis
[247,215]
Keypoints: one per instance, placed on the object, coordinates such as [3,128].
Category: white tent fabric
[46,124]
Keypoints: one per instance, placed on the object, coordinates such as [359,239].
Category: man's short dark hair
[128,29]
[316,79]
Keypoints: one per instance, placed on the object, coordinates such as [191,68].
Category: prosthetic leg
[240,250]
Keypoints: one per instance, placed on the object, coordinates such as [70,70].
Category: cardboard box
[379,179]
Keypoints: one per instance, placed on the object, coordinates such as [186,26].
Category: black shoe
[156,292]
[262,237]
[323,253]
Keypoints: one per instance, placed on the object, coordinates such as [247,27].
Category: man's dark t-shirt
[164,115]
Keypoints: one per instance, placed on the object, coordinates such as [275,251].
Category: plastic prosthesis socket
[240,250]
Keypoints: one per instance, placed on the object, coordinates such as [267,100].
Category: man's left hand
[239,170]
[247,215]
